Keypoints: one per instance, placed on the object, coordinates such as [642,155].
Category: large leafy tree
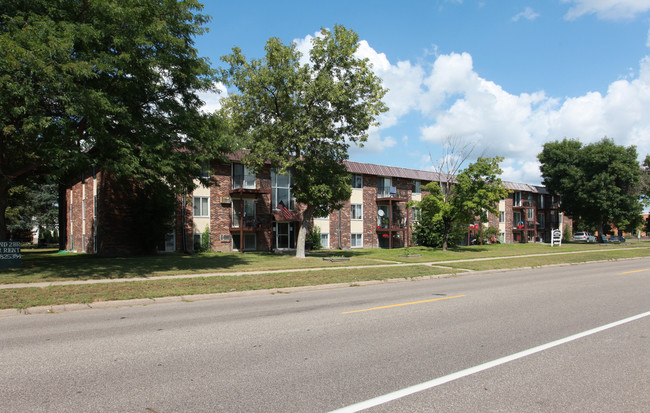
[302,117]
[112,83]
[458,200]
[598,183]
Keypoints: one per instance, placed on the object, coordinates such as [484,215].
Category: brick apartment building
[244,211]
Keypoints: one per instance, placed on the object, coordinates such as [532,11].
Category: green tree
[598,183]
[451,205]
[32,207]
[302,117]
[112,83]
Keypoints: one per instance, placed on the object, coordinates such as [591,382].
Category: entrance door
[284,235]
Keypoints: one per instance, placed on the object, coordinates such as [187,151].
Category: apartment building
[244,211]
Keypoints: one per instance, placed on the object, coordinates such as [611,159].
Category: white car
[584,236]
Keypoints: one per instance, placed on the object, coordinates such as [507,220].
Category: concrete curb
[61,308]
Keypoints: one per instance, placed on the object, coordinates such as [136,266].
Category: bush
[429,234]
[314,238]
[205,240]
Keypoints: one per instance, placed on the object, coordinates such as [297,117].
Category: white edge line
[462,373]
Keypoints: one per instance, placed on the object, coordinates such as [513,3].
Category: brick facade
[105,228]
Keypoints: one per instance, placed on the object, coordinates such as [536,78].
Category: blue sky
[507,75]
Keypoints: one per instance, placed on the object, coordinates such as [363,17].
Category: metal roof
[392,171]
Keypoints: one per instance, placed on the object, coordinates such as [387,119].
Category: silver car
[584,236]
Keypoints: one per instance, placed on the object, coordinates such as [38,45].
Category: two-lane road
[329,349]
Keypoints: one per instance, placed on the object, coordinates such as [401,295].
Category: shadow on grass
[47,265]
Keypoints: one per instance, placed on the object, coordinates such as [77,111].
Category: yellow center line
[630,272]
[403,304]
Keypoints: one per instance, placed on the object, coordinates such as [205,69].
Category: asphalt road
[325,350]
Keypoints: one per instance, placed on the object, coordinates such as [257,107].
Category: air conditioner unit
[225,237]
[225,200]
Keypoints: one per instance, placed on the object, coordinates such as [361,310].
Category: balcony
[525,203]
[246,184]
[392,193]
[249,223]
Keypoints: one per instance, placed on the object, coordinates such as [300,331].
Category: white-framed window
[201,206]
[541,202]
[356,240]
[417,187]
[325,240]
[357,181]
[502,216]
[281,189]
[356,211]
[205,169]
[531,214]
[517,198]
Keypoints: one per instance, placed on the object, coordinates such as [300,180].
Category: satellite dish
[380,212]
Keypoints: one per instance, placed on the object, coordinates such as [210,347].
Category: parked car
[616,239]
[584,236]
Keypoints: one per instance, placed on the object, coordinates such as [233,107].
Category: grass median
[50,266]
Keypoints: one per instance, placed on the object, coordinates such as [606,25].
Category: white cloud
[212,100]
[448,98]
[607,9]
[528,14]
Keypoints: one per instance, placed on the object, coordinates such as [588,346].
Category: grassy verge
[50,266]
[88,293]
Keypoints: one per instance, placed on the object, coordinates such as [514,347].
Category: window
[383,187]
[416,187]
[357,181]
[541,220]
[249,242]
[325,240]
[356,240]
[356,211]
[249,213]
[205,170]
[541,201]
[517,198]
[502,216]
[201,206]
[531,214]
[242,177]
[281,188]
[417,214]
[94,206]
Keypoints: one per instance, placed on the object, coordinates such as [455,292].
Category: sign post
[10,255]
[556,238]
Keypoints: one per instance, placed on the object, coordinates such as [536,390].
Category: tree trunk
[302,232]
[4,203]
[445,237]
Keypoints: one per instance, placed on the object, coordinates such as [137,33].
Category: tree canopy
[112,83]
[451,205]
[302,117]
[598,183]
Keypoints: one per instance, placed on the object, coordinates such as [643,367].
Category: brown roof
[392,171]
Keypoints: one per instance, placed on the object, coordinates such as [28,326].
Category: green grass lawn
[50,266]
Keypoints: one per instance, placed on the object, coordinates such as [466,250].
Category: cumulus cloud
[607,9]
[212,99]
[448,98]
[528,14]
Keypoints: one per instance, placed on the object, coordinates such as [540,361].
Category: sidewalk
[238,273]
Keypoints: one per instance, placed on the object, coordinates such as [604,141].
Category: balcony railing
[248,222]
[244,182]
[392,192]
[525,203]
